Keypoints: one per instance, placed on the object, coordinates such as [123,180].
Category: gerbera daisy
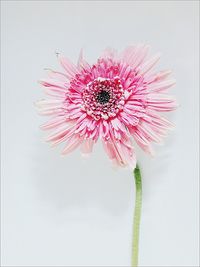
[117,100]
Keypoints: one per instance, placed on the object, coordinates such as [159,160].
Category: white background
[70,211]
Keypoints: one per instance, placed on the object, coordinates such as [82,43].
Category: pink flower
[115,99]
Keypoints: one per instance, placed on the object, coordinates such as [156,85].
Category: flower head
[117,100]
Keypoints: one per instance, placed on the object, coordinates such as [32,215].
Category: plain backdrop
[72,211]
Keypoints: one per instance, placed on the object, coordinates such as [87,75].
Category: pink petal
[137,58]
[55,75]
[70,68]
[109,53]
[53,123]
[60,131]
[82,64]
[54,83]
[87,146]
[149,64]
[72,144]
[160,86]
[156,102]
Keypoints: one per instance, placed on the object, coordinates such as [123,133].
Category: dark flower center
[103,97]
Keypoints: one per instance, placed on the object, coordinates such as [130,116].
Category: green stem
[137,215]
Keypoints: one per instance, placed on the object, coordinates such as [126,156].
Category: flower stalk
[137,216]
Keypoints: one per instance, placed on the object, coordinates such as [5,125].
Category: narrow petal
[157,87]
[70,68]
[157,77]
[161,103]
[82,64]
[49,82]
[87,146]
[46,103]
[138,56]
[72,144]
[119,150]
[59,132]
[55,75]
[146,147]
[112,152]
[53,123]
[128,53]
[147,131]
[149,64]
[109,53]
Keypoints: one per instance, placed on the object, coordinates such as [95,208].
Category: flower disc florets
[103,98]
